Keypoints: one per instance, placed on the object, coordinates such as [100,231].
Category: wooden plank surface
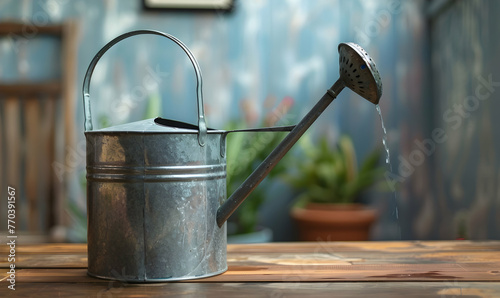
[28,30]
[340,289]
[66,137]
[386,247]
[32,157]
[340,269]
[46,148]
[13,156]
[304,262]
[51,88]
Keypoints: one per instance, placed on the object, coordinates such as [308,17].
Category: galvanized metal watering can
[156,191]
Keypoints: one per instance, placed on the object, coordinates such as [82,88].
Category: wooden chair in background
[36,129]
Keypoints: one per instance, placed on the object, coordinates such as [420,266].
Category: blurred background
[263,62]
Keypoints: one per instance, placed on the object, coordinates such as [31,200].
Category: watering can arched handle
[202,127]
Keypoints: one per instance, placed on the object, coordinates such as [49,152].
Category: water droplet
[388,162]
[384,137]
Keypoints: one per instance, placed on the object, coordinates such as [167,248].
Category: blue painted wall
[260,51]
[465,64]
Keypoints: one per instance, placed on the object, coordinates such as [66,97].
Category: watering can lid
[151,126]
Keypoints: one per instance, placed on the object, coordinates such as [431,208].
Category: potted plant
[245,151]
[329,184]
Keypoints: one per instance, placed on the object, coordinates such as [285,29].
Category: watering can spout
[357,72]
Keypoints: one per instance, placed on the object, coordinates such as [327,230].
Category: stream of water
[388,162]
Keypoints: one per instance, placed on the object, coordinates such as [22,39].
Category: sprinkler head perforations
[359,73]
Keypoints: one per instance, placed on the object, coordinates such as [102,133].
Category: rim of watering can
[202,127]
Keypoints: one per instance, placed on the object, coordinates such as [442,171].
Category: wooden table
[301,269]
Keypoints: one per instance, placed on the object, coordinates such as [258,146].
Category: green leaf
[347,148]
[153,107]
[330,173]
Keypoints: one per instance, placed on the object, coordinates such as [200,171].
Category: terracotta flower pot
[334,222]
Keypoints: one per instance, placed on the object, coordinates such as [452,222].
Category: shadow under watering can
[156,191]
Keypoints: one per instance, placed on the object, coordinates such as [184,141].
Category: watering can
[156,189]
